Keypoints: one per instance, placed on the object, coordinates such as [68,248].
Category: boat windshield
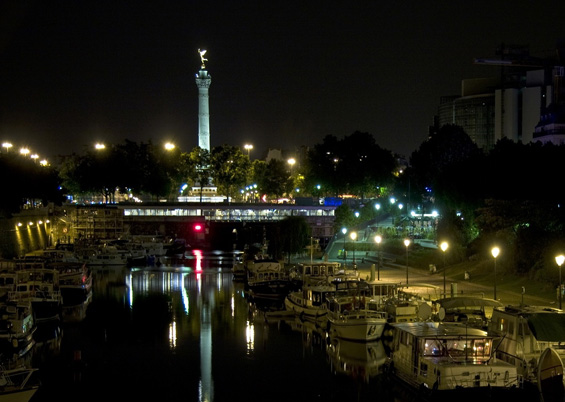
[459,347]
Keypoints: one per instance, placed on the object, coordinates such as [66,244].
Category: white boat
[268,279]
[310,302]
[17,326]
[473,311]
[75,285]
[40,286]
[107,256]
[53,255]
[451,361]
[526,334]
[321,272]
[355,318]
[398,305]
[18,384]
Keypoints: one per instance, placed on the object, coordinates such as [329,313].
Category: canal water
[185,331]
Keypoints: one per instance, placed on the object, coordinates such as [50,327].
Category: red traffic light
[198,227]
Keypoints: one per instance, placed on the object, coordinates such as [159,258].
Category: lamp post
[378,240]
[353,236]
[559,260]
[444,247]
[495,251]
[248,147]
[344,231]
[169,146]
[406,243]
[291,162]
[378,208]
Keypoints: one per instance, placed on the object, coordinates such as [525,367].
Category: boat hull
[550,376]
[358,329]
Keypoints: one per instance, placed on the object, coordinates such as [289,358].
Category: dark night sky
[284,73]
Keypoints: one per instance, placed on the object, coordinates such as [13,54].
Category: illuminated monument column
[203,81]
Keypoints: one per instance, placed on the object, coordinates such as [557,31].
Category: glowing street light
[7,145]
[444,245]
[291,162]
[344,231]
[406,243]
[559,260]
[169,146]
[378,208]
[378,240]
[353,236]
[495,251]
[99,146]
[24,151]
[248,147]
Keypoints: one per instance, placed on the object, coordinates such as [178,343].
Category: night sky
[284,73]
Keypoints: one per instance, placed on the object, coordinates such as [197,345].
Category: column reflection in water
[206,391]
[202,300]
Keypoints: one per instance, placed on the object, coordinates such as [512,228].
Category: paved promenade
[431,285]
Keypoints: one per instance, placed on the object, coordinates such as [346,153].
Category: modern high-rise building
[516,103]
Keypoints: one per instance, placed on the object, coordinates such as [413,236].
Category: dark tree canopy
[354,165]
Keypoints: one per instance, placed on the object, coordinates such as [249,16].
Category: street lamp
[444,247]
[378,240]
[7,145]
[248,147]
[353,236]
[406,243]
[169,146]
[378,208]
[344,231]
[99,146]
[291,162]
[495,251]
[559,260]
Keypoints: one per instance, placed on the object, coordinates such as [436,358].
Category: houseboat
[532,338]
[443,361]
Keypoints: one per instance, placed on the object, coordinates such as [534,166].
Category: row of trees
[512,194]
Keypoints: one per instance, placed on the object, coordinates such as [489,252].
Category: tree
[199,167]
[290,236]
[354,164]
[26,182]
[230,169]
[273,178]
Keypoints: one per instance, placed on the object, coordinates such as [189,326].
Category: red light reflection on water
[198,265]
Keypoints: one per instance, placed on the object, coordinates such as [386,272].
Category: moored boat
[532,338]
[310,302]
[38,285]
[75,284]
[17,327]
[355,318]
[268,279]
[18,384]
[443,361]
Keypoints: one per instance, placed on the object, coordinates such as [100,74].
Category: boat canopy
[458,302]
[547,327]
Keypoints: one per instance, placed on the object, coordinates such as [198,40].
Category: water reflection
[188,332]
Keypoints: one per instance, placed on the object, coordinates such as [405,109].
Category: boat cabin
[447,356]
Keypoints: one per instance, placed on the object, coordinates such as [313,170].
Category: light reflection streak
[250,338]
[206,384]
[184,293]
[173,334]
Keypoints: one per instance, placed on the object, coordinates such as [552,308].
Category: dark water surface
[187,332]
